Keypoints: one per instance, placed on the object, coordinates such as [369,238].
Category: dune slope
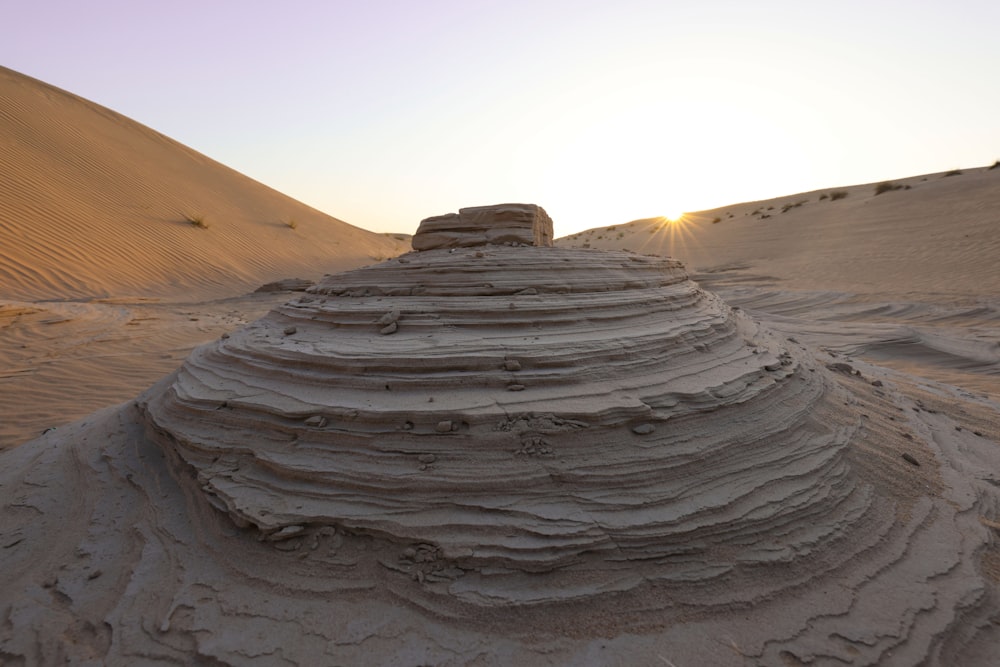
[936,236]
[95,204]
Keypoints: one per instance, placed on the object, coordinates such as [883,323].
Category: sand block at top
[523,224]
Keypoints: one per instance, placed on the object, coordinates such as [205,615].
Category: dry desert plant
[838,194]
[196,221]
[887,186]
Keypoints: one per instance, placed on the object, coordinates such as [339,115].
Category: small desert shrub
[838,194]
[196,221]
[954,172]
[291,224]
[824,196]
[994,165]
[770,208]
[756,211]
[716,220]
[887,186]
[621,235]
[787,207]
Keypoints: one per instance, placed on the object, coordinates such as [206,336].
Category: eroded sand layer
[505,455]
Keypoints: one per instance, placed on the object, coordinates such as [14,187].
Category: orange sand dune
[94,204]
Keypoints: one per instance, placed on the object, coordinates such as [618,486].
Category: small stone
[643,429]
[288,545]
[876,383]
[286,533]
[909,459]
[515,387]
[390,317]
[225,336]
[443,426]
[94,575]
[512,365]
[773,366]
[290,330]
[427,458]
[316,421]
[390,328]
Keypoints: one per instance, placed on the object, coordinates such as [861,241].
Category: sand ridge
[93,204]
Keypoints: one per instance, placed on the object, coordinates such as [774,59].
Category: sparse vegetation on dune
[197,221]
[887,186]
[787,207]
[838,194]
[994,165]
[291,223]
[954,172]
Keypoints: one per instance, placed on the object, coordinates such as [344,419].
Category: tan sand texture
[511,454]
[93,204]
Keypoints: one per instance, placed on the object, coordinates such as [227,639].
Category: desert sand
[98,254]
[763,440]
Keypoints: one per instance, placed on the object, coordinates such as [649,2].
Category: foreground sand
[756,500]
[759,499]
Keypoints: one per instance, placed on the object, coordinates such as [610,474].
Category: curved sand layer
[94,204]
[503,455]
[577,380]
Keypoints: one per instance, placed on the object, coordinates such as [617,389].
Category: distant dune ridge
[94,204]
[937,235]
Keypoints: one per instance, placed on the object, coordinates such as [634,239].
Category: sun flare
[673,217]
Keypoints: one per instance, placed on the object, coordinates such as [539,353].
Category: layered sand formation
[502,454]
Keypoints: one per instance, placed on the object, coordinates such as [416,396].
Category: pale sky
[383,113]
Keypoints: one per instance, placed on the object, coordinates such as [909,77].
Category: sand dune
[93,204]
[937,239]
[98,255]
[501,454]
[908,278]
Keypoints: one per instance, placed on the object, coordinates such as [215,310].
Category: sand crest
[93,204]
